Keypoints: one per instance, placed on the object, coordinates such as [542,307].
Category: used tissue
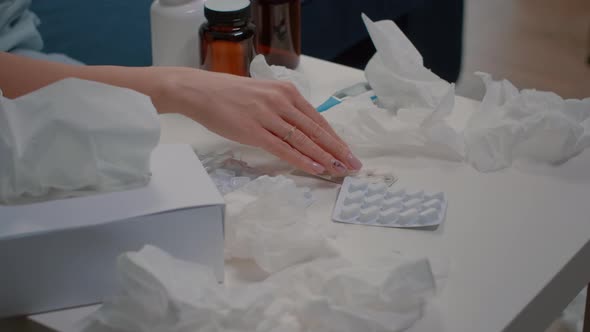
[372,131]
[397,73]
[161,293]
[260,70]
[266,221]
[528,124]
[413,104]
[73,137]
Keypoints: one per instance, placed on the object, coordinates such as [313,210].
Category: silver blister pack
[227,173]
[368,202]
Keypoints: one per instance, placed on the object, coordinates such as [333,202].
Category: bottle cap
[227,11]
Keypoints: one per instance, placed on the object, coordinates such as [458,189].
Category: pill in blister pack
[228,174]
[367,202]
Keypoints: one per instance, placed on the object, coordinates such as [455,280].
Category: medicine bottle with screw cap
[278,31]
[175,35]
[227,39]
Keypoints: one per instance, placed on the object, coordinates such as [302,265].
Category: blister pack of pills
[227,173]
[375,203]
[370,174]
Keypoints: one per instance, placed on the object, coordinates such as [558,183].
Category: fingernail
[317,168]
[354,162]
[339,167]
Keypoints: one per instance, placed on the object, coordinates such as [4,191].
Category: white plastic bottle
[175,32]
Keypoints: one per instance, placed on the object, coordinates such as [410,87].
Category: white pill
[428,215]
[377,188]
[389,216]
[369,214]
[355,197]
[357,185]
[408,216]
[395,193]
[393,202]
[373,200]
[349,212]
[412,203]
[433,203]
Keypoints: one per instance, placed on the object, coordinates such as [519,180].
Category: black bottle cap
[227,11]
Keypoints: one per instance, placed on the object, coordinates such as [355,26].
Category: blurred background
[541,44]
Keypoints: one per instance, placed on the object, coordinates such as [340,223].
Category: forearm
[20,75]
[267,114]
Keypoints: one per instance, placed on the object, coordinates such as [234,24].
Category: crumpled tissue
[75,137]
[413,104]
[371,131]
[266,221]
[529,125]
[260,70]
[397,74]
[18,26]
[161,293]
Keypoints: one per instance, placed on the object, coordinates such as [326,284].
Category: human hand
[271,115]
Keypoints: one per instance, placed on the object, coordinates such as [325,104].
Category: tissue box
[63,253]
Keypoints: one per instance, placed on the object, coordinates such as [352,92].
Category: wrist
[171,88]
[155,82]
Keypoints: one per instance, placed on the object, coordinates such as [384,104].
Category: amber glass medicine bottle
[278,31]
[227,38]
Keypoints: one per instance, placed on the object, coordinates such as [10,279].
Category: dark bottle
[278,31]
[227,39]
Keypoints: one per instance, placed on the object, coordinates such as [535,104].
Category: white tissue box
[63,253]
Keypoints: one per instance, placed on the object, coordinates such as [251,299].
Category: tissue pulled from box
[530,125]
[267,222]
[161,293]
[260,70]
[397,74]
[75,137]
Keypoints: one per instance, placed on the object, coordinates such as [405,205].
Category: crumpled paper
[530,125]
[413,104]
[18,26]
[266,221]
[260,70]
[161,293]
[398,76]
[371,131]
[75,137]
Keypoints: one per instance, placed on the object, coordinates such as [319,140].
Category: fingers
[298,140]
[296,133]
[283,150]
[320,139]
[311,112]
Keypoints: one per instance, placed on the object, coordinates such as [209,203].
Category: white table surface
[517,241]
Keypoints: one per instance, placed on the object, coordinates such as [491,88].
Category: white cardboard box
[60,254]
